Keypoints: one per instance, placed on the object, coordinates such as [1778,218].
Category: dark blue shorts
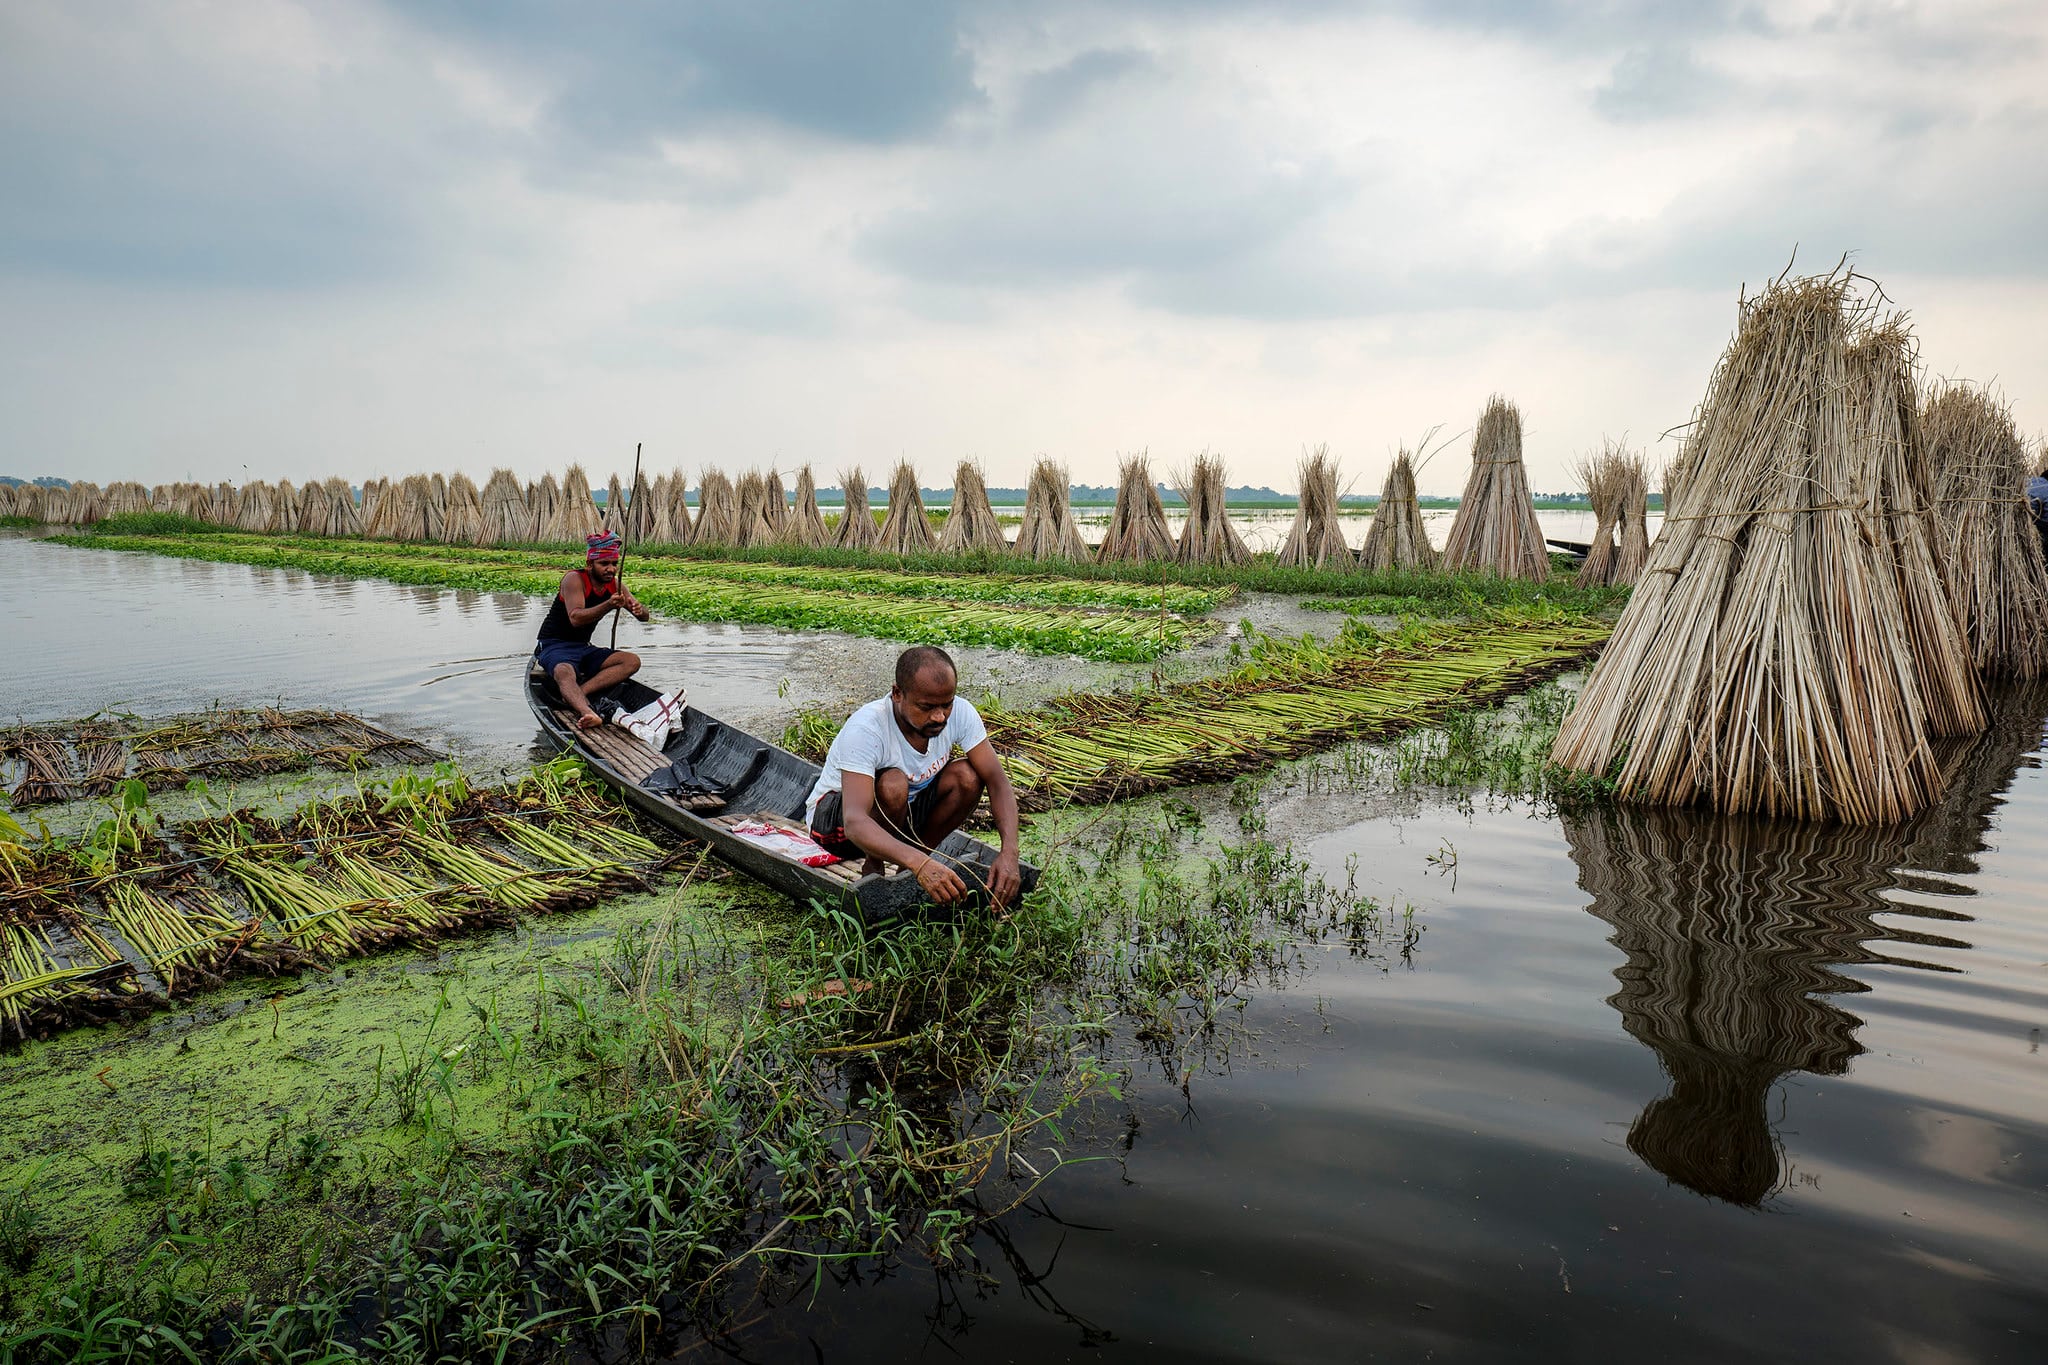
[587,658]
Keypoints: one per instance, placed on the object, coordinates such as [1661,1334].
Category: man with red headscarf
[587,595]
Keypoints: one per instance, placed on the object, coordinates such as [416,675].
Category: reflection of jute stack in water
[1208,537]
[1765,661]
[1495,530]
[1316,540]
[856,529]
[507,516]
[806,524]
[971,522]
[1990,546]
[1885,396]
[752,526]
[1138,532]
[1048,530]
[718,510]
[906,530]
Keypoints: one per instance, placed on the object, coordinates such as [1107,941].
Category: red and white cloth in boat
[656,721]
[788,843]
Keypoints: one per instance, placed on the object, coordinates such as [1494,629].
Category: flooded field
[1618,1083]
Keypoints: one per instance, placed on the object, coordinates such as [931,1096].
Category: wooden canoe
[762,783]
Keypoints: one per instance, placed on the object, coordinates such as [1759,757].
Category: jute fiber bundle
[639,508]
[972,524]
[226,505]
[856,529]
[1764,662]
[1138,532]
[370,514]
[752,526]
[906,530]
[1397,539]
[8,503]
[1316,540]
[507,515]
[28,501]
[806,524]
[161,498]
[463,522]
[284,508]
[309,509]
[1048,531]
[543,502]
[1599,475]
[681,524]
[775,505]
[718,510]
[1208,537]
[437,508]
[576,515]
[655,521]
[258,507]
[122,497]
[55,504]
[1990,546]
[1495,530]
[615,507]
[335,510]
[1634,553]
[1884,378]
[1617,482]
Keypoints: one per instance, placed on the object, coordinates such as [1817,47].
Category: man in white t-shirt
[892,790]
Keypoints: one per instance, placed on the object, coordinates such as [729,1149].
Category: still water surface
[1653,1084]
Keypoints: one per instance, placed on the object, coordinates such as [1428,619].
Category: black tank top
[557,626]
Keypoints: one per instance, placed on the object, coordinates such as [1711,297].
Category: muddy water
[1651,1084]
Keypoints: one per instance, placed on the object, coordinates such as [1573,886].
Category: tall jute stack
[28,502]
[507,516]
[225,504]
[1495,530]
[1601,476]
[972,524]
[806,524]
[752,526]
[254,513]
[1884,389]
[309,510]
[1989,544]
[341,515]
[1048,531]
[1208,538]
[615,506]
[775,504]
[1138,532]
[718,510]
[856,529]
[1396,540]
[681,524]
[369,515]
[906,530]
[124,496]
[1316,540]
[1634,551]
[576,515]
[7,500]
[284,508]
[1764,662]
[653,523]
[639,507]
[544,502]
[464,522]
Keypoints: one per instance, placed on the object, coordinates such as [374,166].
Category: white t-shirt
[871,742]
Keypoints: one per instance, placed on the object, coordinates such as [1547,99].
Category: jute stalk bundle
[775,504]
[1990,546]
[1635,524]
[544,505]
[639,508]
[226,505]
[806,524]
[718,510]
[972,524]
[437,508]
[339,513]
[1208,538]
[1599,475]
[381,510]
[257,509]
[906,529]
[680,522]
[1048,531]
[1396,539]
[856,529]
[615,506]
[161,498]
[284,509]
[1316,539]
[309,511]
[654,521]
[507,516]
[8,504]
[368,517]
[1764,662]
[463,523]
[1495,530]
[576,515]
[123,497]
[1883,369]
[28,501]
[752,526]
[1138,532]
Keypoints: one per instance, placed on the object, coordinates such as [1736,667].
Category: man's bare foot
[872,867]
[825,990]
[589,720]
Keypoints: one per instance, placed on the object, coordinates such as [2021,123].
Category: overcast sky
[257,238]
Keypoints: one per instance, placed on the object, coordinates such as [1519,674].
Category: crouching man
[892,791]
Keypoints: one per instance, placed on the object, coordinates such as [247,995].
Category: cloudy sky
[260,238]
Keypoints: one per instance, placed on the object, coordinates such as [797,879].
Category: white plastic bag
[653,723]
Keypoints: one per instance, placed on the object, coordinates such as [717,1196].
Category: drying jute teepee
[718,510]
[856,529]
[507,516]
[1495,530]
[1316,540]
[806,524]
[1048,531]
[906,530]
[971,523]
[1138,533]
[1765,661]
[1990,546]
[752,526]
[1617,483]
[1396,539]
[1208,538]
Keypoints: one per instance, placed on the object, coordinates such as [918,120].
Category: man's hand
[1004,878]
[940,882]
[632,604]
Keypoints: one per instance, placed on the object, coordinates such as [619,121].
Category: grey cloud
[1064,92]
[860,70]
[1658,82]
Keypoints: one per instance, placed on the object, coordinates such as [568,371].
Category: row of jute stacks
[1836,568]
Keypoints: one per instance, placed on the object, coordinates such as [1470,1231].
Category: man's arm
[1004,878]
[582,615]
[872,837]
